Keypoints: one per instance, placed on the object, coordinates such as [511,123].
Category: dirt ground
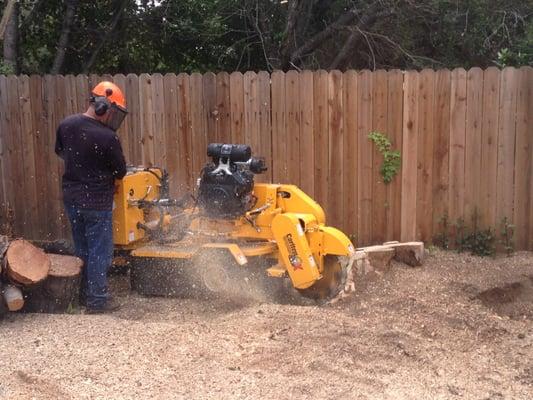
[458,327]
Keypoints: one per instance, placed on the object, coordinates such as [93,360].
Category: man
[93,157]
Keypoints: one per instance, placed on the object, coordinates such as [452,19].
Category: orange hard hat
[112,92]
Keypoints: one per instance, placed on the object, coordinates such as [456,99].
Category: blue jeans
[92,231]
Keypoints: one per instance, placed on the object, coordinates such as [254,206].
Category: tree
[111,36]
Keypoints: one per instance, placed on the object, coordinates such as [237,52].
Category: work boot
[108,307]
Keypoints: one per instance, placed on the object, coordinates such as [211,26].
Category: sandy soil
[458,327]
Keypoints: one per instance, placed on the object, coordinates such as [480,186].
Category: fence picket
[441,149]
[489,146]
[409,153]
[474,115]
[350,177]
[523,172]
[306,152]
[279,148]
[320,136]
[457,145]
[336,139]
[506,145]
[379,124]
[223,108]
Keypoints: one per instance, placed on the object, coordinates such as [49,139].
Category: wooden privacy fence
[466,139]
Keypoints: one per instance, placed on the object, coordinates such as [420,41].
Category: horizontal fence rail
[465,137]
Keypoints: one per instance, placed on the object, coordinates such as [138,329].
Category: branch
[64,38]
[288,34]
[321,36]
[402,50]
[112,27]
[367,20]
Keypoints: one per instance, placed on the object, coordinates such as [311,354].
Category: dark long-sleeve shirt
[93,160]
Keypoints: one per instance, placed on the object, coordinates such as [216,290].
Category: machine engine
[225,188]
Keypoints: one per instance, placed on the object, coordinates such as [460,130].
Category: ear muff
[101,105]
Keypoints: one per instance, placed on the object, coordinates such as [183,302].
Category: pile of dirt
[458,327]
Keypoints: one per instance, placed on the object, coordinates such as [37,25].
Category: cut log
[25,264]
[60,290]
[13,297]
[391,242]
[380,257]
[410,253]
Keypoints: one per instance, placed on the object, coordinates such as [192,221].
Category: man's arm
[59,143]
[116,159]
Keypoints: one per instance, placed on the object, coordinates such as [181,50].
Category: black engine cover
[226,195]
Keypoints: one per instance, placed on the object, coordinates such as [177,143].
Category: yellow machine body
[285,224]
[137,185]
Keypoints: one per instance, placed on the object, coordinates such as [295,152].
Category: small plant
[461,235]
[480,243]
[392,159]
[442,239]
[506,236]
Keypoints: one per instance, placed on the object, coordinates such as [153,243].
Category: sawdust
[458,327]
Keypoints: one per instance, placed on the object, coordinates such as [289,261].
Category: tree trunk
[10,36]
[60,290]
[410,253]
[6,16]
[64,37]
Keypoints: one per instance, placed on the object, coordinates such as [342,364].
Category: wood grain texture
[335,210]
[424,200]
[473,139]
[379,124]
[364,159]
[350,154]
[456,193]
[523,171]
[509,80]
[395,131]
[321,137]
[279,129]
[409,153]
[489,149]
[441,147]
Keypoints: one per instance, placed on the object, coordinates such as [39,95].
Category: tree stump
[380,257]
[410,253]
[25,264]
[60,290]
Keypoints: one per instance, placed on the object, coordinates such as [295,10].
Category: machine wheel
[332,283]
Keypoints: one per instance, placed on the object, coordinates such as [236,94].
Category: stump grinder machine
[233,236]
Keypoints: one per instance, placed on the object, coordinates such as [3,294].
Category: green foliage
[506,235]
[469,238]
[6,69]
[479,243]
[392,159]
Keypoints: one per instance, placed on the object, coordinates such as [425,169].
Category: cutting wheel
[333,282]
